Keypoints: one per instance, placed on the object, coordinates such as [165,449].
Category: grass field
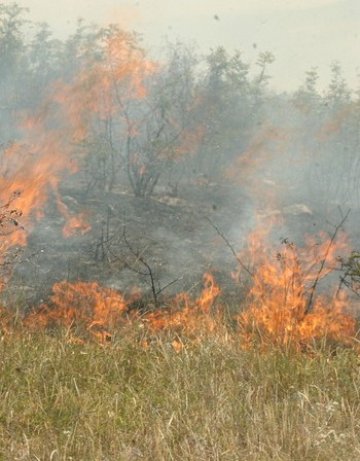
[209,400]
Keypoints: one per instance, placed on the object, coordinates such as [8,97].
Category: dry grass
[210,401]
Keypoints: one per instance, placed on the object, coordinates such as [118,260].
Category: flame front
[283,305]
[86,307]
[193,317]
[83,305]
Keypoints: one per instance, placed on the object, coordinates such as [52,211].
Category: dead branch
[148,273]
[169,284]
[322,265]
[228,244]
[102,249]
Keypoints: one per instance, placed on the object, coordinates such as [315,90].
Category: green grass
[210,401]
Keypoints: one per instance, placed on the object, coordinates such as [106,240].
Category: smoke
[132,172]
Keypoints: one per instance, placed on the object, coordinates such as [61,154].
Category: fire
[251,167]
[191,316]
[32,168]
[284,307]
[90,309]
[76,225]
[278,311]
[104,87]
[83,305]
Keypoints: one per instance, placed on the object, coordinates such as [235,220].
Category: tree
[166,121]
[11,38]
[338,92]
[12,66]
[262,78]
[307,98]
[144,111]
[44,57]
[226,109]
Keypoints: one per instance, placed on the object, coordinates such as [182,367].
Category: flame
[284,307]
[52,136]
[190,316]
[75,224]
[277,314]
[104,87]
[85,305]
[98,311]
[31,169]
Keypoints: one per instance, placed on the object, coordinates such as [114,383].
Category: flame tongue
[85,305]
[187,315]
[75,224]
[51,138]
[283,306]
[96,310]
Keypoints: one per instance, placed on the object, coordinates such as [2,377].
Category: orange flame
[96,310]
[192,317]
[32,168]
[74,225]
[283,305]
[85,305]
[277,314]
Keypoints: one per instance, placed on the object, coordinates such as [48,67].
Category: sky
[300,33]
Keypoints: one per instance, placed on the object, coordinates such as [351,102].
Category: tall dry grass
[210,400]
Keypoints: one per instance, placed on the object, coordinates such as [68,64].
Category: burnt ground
[172,235]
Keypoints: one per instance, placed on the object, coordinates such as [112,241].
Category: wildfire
[32,168]
[278,312]
[85,306]
[192,317]
[283,306]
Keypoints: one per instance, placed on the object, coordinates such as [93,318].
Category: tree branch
[322,265]
[228,244]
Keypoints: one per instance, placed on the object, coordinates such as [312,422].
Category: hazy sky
[300,33]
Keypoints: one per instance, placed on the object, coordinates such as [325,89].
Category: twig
[149,273]
[317,279]
[169,284]
[228,244]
